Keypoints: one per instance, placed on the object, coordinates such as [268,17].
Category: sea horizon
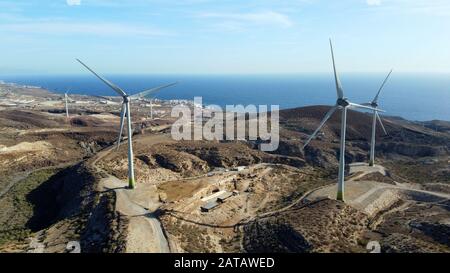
[410,95]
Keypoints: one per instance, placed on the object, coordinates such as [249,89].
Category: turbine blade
[381,123]
[122,117]
[340,92]
[151,91]
[322,123]
[355,105]
[110,84]
[375,100]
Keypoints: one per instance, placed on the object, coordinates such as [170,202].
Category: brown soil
[322,226]
[177,190]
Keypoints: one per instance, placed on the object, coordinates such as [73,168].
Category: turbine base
[340,196]
[131,183]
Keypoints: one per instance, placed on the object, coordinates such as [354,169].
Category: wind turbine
[66,97]
[126,109]
[376,116]
[343,104]
[147,93]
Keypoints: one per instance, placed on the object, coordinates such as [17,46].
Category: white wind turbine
[66,98]
[343,104]
[376,116]
[126,109]
[148,93]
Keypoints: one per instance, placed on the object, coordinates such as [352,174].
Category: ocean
[418,97]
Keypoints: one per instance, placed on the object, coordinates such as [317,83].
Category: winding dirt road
[145,234]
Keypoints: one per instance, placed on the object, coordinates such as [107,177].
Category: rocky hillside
[64,207]
[332,226]
[405,139]
[323,226]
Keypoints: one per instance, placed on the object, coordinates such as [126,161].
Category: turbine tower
[343,104]
[376,116]
[126,109]
[66,97]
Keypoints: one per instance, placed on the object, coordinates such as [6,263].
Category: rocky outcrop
[181,162]
[402,243]
[322,226]
[233,154]
[77,212]
[411,150]
[276,236]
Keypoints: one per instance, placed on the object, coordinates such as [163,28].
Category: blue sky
[224,36]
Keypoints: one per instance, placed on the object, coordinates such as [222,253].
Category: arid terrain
[63,180]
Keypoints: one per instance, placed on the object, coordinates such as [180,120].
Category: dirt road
[145,233]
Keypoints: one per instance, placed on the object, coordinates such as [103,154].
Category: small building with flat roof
[221,198]
[209,206]
[214,200]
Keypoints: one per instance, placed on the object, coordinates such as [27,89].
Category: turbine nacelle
[343,102]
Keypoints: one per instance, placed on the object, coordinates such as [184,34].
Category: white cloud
[422,7]
[92,28]
[73,2]
[255,18]
[373,2]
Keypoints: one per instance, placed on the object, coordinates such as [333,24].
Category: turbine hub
[126,99]
[343,102]
[374,105]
